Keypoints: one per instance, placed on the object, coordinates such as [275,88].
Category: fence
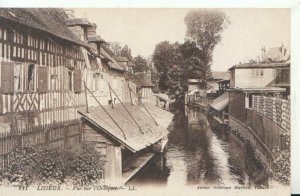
[270,133]
[60,135]
[276,109]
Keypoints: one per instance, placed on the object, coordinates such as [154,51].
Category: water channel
[198,155]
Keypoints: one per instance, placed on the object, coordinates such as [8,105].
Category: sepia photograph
[127,100]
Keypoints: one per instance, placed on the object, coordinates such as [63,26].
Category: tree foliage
[167,60]
[126,52]
[175,62]
[204,28]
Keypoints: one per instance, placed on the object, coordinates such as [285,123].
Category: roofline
[97,41]
[80,42]
[256,90]
[78,24]
[146,85]
[226,80]
[116,69]
[254,66]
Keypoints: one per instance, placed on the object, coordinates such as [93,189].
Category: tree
[140,64]
[166,57]
[204,28]
[154,79]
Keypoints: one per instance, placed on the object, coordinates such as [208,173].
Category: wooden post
[113,167]
[86,99]
[112,103]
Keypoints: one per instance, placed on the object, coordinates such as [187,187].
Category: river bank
[197,155]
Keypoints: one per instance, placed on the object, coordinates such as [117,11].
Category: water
[198,155]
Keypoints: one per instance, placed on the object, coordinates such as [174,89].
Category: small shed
[125,135]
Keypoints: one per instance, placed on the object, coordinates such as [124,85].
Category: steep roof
[277,54]
[48,20]
[144,79]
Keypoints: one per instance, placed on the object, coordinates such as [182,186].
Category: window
[54,81]
[261,72]
[68,80]
[17,77]
[24,77]
[257,72]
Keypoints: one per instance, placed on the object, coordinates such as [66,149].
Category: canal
[198,155]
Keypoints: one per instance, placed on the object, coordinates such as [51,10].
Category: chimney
[70,13]
[282,48]
[263,53]
[258,59]
[91,31]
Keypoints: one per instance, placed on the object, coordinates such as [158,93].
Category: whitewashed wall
[244,78]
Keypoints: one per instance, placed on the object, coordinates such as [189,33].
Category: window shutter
[43,79]
[77,81]
[7,77]
[66,79]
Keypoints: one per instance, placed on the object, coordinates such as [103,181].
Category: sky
[142,29]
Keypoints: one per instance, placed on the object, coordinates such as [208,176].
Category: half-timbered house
[40,87]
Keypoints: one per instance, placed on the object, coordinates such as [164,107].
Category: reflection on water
[197,155]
